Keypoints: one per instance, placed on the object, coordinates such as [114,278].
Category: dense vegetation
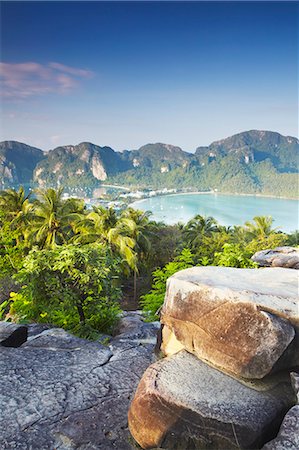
[63,264]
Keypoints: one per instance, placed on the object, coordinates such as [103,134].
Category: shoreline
[115,186]
[217,193]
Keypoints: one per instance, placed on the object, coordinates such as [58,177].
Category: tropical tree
[17,211]
[197,228]
[54,217]
[261,236]
[104,225]
[70,286]
[293,238]
[261,227]
[12,202]
[136,224]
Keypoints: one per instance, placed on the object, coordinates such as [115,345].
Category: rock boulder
[278,257]
[183,403]
[288,436]
[240,320]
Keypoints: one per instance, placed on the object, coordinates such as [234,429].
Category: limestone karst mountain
[18,161]
[250,162]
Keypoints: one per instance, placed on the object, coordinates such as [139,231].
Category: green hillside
[253,162]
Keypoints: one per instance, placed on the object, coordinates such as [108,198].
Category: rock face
[278,257]
[18,161]
[288,436]
[12,335]
[86,163]
[231,338]
[182,403]
[240,320]
[59,391]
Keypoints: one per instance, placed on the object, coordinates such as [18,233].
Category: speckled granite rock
[183,403]
[240,320]
[278,257]
[61,392]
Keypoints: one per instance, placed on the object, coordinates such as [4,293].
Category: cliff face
[162,157]
[18,161]
[83,163]
[255,146]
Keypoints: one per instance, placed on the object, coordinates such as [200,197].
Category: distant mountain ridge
[252,162]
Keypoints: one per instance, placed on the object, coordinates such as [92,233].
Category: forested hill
[251,162]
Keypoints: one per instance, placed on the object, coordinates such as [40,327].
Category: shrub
[152,302]
[69,286]
[233,255]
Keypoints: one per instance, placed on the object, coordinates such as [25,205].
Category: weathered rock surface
[61,392]
[288,436]
[183,403]
[131,326]
[12,335]
[278,257]
[240,320]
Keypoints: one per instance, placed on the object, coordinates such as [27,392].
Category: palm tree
[198,227]
[53,224]
[11,201]
[139,229]
[104,225]
[18,211]
[260,228]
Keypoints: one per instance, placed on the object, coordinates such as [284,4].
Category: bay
[226,209]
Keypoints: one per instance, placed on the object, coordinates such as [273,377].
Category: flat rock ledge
[243,321]
[287,257]
[183,403]
[61,392]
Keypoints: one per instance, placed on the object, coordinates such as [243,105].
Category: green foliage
[233,255]
[152,302]
[3,309]
[267,242]
[293,239]
[69,286]
[198,228]
[69,262]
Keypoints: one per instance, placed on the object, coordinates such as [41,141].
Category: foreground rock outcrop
[287,257]
[231,339]
[182,403]
[240,320]
[288,436]
[59,391]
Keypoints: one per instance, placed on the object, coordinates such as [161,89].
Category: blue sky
[124,74]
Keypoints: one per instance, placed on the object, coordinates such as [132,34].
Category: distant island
[251,162]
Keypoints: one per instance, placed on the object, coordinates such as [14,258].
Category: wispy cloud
[20,81]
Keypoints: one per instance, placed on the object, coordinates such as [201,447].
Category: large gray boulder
[61,392]
[183,403]
[243,321]
[278,257]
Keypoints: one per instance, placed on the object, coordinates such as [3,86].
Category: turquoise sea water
[227,209]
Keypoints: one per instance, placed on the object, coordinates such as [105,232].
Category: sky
[124,74]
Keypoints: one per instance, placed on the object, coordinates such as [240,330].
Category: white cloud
[20,81]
